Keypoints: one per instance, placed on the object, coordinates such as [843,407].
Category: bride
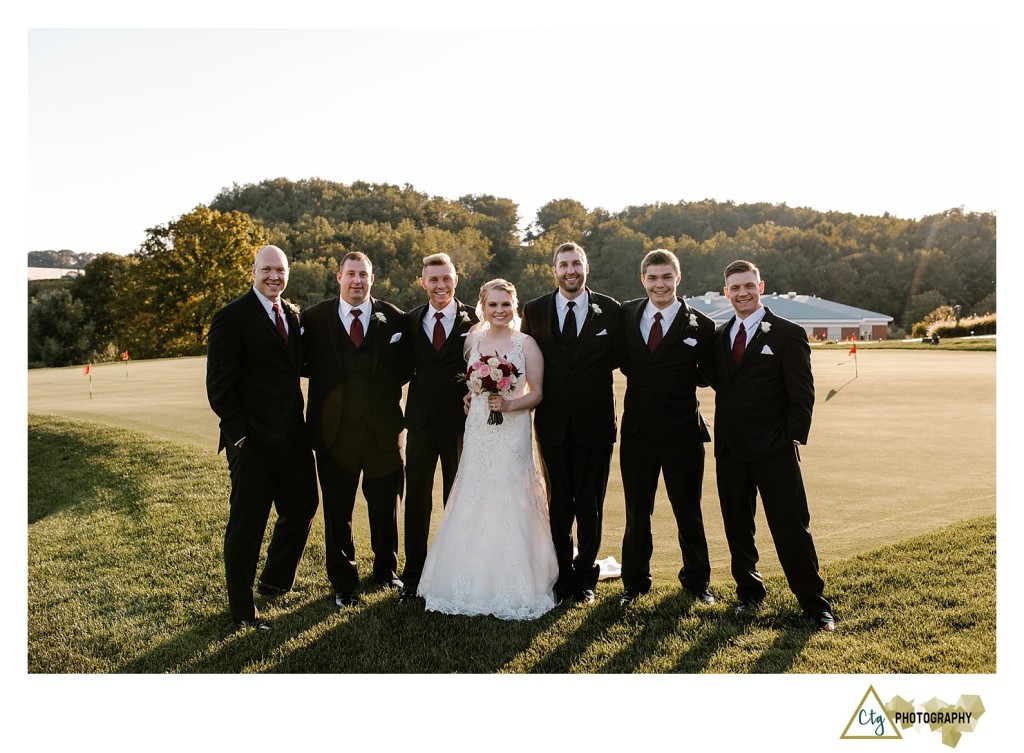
[492,553]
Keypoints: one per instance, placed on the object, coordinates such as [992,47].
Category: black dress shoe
[586,596]
[748,606]
[344,599]
[256,624]
[825,622]
[704,597]
[391,583]
[265,589]
[628,597]
[406,593]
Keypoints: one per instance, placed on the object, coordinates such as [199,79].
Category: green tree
[103,285]
[187,270]
[58,332]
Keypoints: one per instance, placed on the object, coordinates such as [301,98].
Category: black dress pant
[357,454]
[682,466]
[577,479]
[260,478]
[785,508]
[424,447]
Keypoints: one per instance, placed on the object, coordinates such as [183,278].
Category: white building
[823,320]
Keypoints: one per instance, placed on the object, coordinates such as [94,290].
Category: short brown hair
[659,256]
[566,248]
[436,260]
[355,256]
[739,266]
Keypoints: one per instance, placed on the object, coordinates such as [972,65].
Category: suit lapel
[271,328]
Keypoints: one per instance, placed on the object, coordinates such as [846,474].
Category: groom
[575,423]
[434,415]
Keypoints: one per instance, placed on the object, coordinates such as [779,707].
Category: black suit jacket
[435,391]
[252,375]
[321,346]
[661,387]
[765,402]
[579,401]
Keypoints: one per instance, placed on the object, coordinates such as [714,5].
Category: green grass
[887,457]
[125,576]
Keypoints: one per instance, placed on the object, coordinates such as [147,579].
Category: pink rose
[504,383]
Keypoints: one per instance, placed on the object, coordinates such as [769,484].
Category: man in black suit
[252,382]
[434,415]
[764,395]
[357,362]
[575,423]
[666,354]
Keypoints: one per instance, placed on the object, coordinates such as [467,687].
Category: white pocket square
[302,330]
[395,338]
[766,351]
[690,341]
[602,332]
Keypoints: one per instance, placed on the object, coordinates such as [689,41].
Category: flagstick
[90,384]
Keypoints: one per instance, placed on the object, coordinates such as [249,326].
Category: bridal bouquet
[492,375]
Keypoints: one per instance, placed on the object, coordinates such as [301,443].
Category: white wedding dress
[492,553]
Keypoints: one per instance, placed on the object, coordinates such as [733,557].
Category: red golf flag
[124,356]
[853,349]
[87,370]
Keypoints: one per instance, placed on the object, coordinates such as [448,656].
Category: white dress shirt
[668,315]
[447,320]
[750,324]
[345,313]
[579,310]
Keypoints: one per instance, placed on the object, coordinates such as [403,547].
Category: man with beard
[575,423]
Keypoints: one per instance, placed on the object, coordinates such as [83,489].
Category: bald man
[252,381]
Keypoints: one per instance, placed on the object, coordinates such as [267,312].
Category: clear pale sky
[122,116]
[130,128]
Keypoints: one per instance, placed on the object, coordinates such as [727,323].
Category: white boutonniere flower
[595,308]
[464,317]
[766,327]
[290,306]
[693,320]
[380,318]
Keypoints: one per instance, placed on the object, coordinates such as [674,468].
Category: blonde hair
[505,286]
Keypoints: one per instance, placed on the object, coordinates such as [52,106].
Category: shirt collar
[448,311]
[668,313]
[751,322]
[267,303]
[581,301]
[345,309]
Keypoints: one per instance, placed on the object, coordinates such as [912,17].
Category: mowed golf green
[907,446]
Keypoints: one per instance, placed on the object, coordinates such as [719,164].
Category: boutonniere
[693,320]
[464,317]
[380,318]
[766,327]
[290,306]
[595,308]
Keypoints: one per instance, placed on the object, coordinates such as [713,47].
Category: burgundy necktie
[654,338]
[438,331]
[739,344]
[356,330]
[279,321]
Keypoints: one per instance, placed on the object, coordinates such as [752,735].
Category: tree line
[158,300]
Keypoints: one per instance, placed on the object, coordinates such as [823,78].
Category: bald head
[270,272]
